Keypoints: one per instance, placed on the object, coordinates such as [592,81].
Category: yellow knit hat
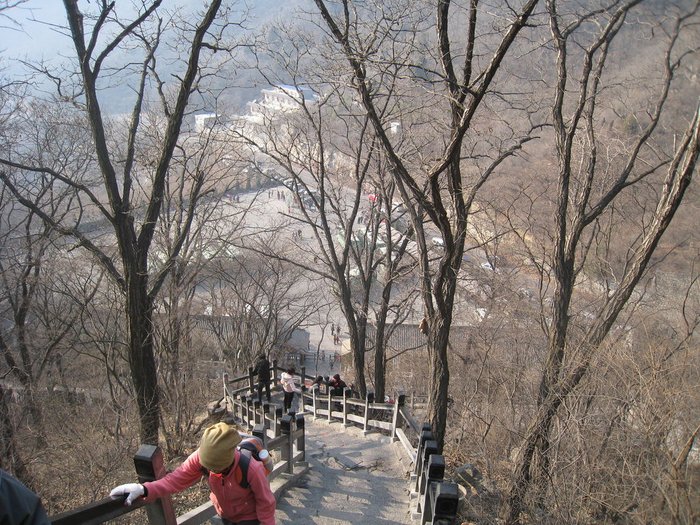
[216,450]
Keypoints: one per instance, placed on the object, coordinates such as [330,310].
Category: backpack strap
[243,463]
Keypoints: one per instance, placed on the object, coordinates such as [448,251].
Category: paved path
[354,479]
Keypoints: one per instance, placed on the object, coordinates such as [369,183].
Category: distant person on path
[262,371]
[337,385]
[288,382]
[218,459]
[18,504]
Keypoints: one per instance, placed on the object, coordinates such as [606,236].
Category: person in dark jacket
[320,383]
[18,504]
[262,370]
[337,385]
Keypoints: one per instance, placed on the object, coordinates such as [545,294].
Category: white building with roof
[282,98]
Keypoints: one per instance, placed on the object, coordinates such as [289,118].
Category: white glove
[134,491]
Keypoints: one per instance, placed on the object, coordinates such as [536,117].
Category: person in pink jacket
[218,458]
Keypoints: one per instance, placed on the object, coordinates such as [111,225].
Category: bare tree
[264,298]
[131,197]
[8,21]
[589,187]
[430,176]
[39,310]
[330,161]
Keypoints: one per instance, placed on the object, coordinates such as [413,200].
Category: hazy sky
[29,38]
[33,33]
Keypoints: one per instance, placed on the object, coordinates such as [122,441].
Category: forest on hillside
[510,185]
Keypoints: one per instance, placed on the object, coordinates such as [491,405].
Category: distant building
[204,121]
[282,98]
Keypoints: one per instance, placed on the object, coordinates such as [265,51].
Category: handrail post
[368,400]
[225,380]
[270,382]
[429,448]
[443,500]
[278,418]
[257,410]
[330,404]
[234,407]
[398,403]
[250,413]
[302,398]
[275,372]
[259,432]
[434,470]
[149,467]
[426,434]
[266,415]
[346,393]
[301,436]
[287,450]
[244,409]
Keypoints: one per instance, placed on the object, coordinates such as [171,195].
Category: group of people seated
[335,384]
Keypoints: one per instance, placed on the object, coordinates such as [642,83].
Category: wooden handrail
[96,512]
[285,434]
[288,438]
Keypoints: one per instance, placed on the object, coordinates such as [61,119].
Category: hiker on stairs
[289,386]
[240,490]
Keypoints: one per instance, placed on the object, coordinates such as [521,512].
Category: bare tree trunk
[357,326]
[439,379]
[134,244]
[380,347]
[142,359]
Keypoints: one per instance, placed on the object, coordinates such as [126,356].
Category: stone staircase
[354,479]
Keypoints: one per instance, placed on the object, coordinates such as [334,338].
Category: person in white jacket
[288,382]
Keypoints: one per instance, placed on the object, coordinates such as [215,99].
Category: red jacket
[230,500]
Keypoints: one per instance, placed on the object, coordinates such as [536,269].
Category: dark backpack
[248,449]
